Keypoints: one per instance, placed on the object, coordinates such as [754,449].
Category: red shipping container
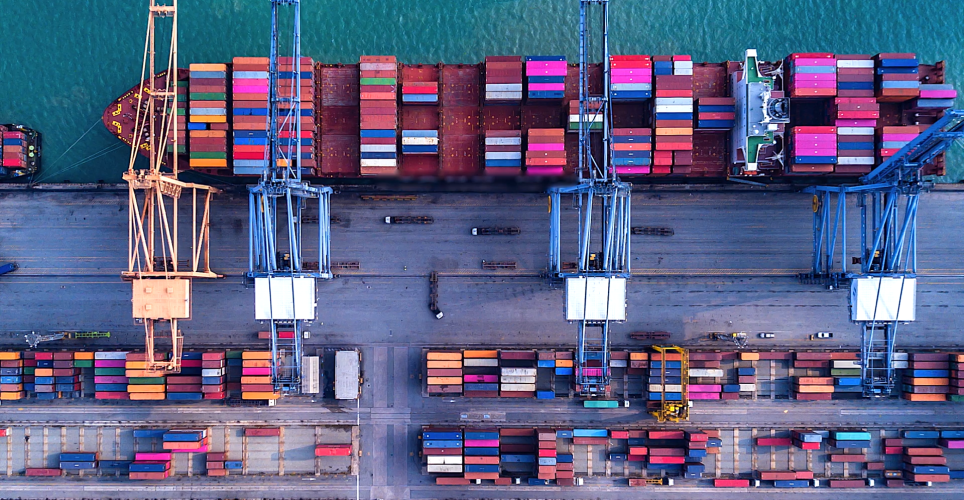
[333,451]
[731,483]
[666,460]
[619,434]
[773,442]
[43,472]
[666,435]
[451,481]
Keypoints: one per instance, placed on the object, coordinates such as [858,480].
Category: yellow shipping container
[136,365]
[147,396]
[256,363]
[133,388]
[259,379]
[260,395]
[44,372]
[563,363]
[750,356]
[256,355]
[444,380]
[11,396]
[638,356]
[926,381]
[444,364]
[83,355]
[9,356]
[208,67]
[444,356]
[481,354]
[814,388]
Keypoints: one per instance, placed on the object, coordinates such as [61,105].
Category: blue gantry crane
[882,293]
[596,288]
[284,281]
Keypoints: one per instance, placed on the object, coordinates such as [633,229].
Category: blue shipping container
[546,363]
[930,373]
[563,371]
[563,434]
[184,436]
[481,468]
[952,434]
[518,459]
[746,371]
[546,461]
[447,436]
[10,371]
[545,395]
[477,435]
[185,396]
[114,464]
[482,452]
[141,467]
[233,465]
[150,433]
[538,482]
[957,474]
[590,433]
[922,434]
[78,457]
[9,379]
[618,456]
[564,459]
[78,465]
[442,444]
[795,483]
[50,381]
[851,436]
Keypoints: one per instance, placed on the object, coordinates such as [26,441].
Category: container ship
[809,116]
[21,152]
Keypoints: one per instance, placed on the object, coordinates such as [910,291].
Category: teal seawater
[63,61]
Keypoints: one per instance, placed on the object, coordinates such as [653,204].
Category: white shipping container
[618,363]
[706,372]
[379,163]
[683,72]
[444,460]
[855,160]
[376,67]
[378,148]
[503,87]
[846,363]
[747,387]
[855,131]
[251,75]
[445,468]
[674,109]
[860,63]
[674,101]
[419,141]
[503,156]
[901,365]
[311,375]
[110,355]
[516,379]
[347,375]
[682,64]
[480,362]
[212,372]
[528,372]
[503,96]
[503,141]
[631,86]
[518,387]
[592,118]
[899,356]
[208,111]
[667,388]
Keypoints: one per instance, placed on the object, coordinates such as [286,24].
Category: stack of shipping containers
[187,385]
[481,373]
[234,371]
[442,448]
[215,464]
[927,377]
[705,374]
[110,376]
[853,446]
[212,375]
[956,378]
[593,119]
[546,466]
[546,151]
[482,454]
[632,150]
[378,78]
[545,77]
[517,374]
[814,149]
[813,388]
[14,366]
[250,114]
[420,92]
[148,466]
[503,152]
[545,365]
[143,385]
[893,138]
[665,384]
[503,79]
[811,74]
[44,381]
[287,130]
[631,78]
[14,149]
[667,450]
[256,380]
[696,444]
[746,377]
[208,124]
[564,367]
[186,441]
[564,469]
[78,461]
[673,114]
[715,113]
[855,75]
[518,451]
[806,440]
[181,122]
[897,77]
[420,142]
[855,119]
[935,95]
[925,464]
[444,372]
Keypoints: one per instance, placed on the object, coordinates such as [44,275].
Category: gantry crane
[284,288]
[596,289]
[883,289]
[161,280]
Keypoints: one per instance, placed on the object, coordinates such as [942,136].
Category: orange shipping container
[925,397]
[481,460]
[147,396]
[444,380]
[481,354]
[638,356]
[750,356]
[444,356]
[256,355]
[674,131]
[444,364]
[9,356]
[133,388]
[926,381]
[83,355]
[208,67]
[256,379]
[256,363]
[814,389]
[815,380]
[668,356]
[44,372]
[260,395]
[11,396]
[564,363]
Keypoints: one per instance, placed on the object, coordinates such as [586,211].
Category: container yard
[648,288]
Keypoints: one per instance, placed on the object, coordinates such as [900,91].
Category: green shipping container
[145,380]
[209,155]
[374,81]
[845,372]
[181,112]
[956,398]
[83,363]
[28,370]
[233,354]
[110,371]
[600,404]
[208,96]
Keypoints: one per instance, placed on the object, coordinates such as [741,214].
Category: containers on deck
[503,152]
[545,77]
[631,78]
[444,373]
[379,114]
[288,83]
[503,79]
[14,154]
[893,138]
[257,387]
[208,122]
[593,119]
[897,77]
[632,150]
[419,142]
[249,117]
[814,149]
[420,93]
[811,74]
[933,95]
[673,115]
[715,113]
[546,153]
[855,118]
[855,75]
[928,376]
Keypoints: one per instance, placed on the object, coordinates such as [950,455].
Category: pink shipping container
[547,86]
[109,363]
[191,363]
[110,379]
[111,395]
[547,147]
[704,395]
[591,372]
[203,449]
[481,443]
[705,388]
[810,61]
[152,456]
[256,371]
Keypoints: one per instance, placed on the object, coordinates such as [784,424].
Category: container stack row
[849,440]
[546,465]
[481,454]
[545,77]
[287,133]
[503,152]
[503,79]
[256,382]
[851,382]
[444,370]
[814,149]
[593,119]
[517,374]
[715,113]
[443,450]
[419,142]
[812,74]
[187,441]
[898,77]
[632,150]
[673,115]
[142,385]
[665,382]
[422,93]
[546,153]
[927,377]
[855,119]
[813,388]
[151,466]
[78,461]
[13,365]
[746,379]
[935,96]
[855,75]
[54,374]
[379,114]
[631,78]
[180,127]
[14,149]
[188,385]
[705,377]
[249,117]
[806,440]
[110,375]
[956,392]
[208,123]
[481,373]
[213,370]
[215,464]
[925,464]
[893,138]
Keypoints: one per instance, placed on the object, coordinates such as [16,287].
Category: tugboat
[21,152]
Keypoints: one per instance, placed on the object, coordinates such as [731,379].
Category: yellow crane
[673,411]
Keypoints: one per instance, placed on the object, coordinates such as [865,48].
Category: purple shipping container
[110,379]
[109,363]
